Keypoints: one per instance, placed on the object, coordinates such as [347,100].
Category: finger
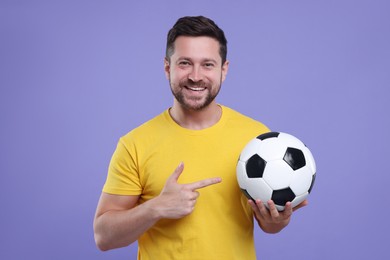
[195,195]
[259,208]
[300,205]
[254,207]
[288,210]
[272,209]
[176,174]
[263,210]
[203,183]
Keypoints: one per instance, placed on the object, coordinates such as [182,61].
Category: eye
[209,65]
[184,63]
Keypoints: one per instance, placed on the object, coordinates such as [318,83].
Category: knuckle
[188,210]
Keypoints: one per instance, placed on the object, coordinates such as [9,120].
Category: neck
[196,119]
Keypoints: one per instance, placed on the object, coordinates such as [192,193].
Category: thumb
[176,174]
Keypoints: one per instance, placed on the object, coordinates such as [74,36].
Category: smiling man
[195,73]
[196,211]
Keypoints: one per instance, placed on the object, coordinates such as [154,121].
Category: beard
[194,103]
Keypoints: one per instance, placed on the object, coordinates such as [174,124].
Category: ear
[167,68]
[225,68]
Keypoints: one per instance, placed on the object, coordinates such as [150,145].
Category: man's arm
[119,221]
[271,220]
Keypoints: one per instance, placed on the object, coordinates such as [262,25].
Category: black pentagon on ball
[268,135]
[255,166]
[281,197]
[295,158]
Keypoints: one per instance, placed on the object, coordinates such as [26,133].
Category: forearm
[119,228]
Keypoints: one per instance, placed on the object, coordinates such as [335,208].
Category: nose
[195,74]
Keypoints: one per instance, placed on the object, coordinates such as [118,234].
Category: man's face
[195,72]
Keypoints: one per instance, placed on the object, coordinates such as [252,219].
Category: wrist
[153,210]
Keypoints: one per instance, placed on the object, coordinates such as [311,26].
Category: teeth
[196,89]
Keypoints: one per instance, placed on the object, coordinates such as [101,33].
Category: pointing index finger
[203,183]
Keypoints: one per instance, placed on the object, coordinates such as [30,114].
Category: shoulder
[148,130]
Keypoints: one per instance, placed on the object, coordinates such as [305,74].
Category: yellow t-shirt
[221,225]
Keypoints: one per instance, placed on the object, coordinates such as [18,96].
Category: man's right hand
[178,200]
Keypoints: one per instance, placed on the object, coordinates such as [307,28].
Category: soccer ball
[276,166]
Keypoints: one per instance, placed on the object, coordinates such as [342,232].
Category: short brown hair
[196,26]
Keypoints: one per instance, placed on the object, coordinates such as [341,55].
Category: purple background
[76,75]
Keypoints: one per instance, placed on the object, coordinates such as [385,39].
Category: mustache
[190,83]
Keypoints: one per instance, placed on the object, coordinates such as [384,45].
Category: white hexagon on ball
[301,181]
[250,149]
[278,174]
[270,150]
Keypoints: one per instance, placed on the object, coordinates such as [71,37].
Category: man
[198,211]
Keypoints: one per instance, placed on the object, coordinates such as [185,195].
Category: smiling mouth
[195,88]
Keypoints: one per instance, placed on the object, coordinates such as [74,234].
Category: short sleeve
[123,175]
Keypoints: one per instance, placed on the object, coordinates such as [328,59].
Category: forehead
[201,47]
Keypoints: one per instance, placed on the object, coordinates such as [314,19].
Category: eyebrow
[203,60]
